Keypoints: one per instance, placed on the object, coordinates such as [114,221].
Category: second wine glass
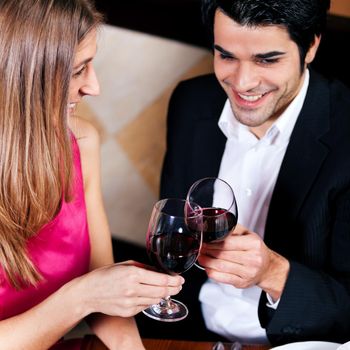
[173,242]
[218,202]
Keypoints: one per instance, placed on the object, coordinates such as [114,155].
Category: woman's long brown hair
[38,40]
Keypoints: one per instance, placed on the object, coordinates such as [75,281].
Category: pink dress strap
[60,251]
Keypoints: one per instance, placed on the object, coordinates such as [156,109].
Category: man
[280,135]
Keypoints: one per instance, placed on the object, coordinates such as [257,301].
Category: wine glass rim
[197,209]
[214,178]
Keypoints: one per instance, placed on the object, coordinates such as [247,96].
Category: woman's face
[84,80]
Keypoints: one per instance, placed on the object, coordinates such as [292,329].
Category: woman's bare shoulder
[86,134]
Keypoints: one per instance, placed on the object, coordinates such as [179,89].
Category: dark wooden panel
[174,19]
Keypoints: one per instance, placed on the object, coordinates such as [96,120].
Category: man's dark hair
[303,19]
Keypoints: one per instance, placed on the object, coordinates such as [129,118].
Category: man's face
[259,69]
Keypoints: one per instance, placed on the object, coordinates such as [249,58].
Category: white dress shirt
[250,166]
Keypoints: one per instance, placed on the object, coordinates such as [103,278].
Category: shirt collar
[279,131]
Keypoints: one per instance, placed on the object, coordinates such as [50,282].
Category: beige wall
[340,7]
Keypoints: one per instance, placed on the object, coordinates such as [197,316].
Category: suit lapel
[208,140]
[305,155]
[209,145]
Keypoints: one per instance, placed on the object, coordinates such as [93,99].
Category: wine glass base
[172,311]
[199,266]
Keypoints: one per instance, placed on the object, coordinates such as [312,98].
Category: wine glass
[173,241]
[218,202]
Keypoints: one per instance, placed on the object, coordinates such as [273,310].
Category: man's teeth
[250,98]
[72,105]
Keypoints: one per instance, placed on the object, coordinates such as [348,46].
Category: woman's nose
[91,86]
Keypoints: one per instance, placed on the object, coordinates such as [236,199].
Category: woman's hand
[244,260]
[126,288]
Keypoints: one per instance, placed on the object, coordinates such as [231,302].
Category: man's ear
[310,55]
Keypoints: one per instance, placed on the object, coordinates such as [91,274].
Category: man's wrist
[275,279]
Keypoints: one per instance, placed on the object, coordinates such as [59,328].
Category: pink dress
[60,251]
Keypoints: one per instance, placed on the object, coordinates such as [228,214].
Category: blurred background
[144,50]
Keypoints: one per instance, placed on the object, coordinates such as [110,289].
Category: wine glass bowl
[218,202]
[217,224]
[173,242]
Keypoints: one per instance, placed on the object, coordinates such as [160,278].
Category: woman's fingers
[158,279]
[125,289]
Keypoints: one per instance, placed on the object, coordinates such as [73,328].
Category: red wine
[173,253]
[217,223]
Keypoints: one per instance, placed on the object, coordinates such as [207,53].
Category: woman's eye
[79,72]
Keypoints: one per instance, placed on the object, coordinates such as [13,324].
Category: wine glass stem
[167,303]
[166,307]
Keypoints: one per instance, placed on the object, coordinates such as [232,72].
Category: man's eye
[267,61]
[225,57]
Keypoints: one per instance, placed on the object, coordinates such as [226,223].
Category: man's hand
[244,260]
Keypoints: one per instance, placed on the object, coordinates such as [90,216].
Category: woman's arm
[99,291]
[44,324]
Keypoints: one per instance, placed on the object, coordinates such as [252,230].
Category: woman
[56,263]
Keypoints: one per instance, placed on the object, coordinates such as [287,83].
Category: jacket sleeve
[315,303]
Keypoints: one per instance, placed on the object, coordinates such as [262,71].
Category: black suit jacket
[309,215]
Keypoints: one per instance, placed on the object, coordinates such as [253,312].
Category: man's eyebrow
[223,51]
[269,54]
[265,55]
